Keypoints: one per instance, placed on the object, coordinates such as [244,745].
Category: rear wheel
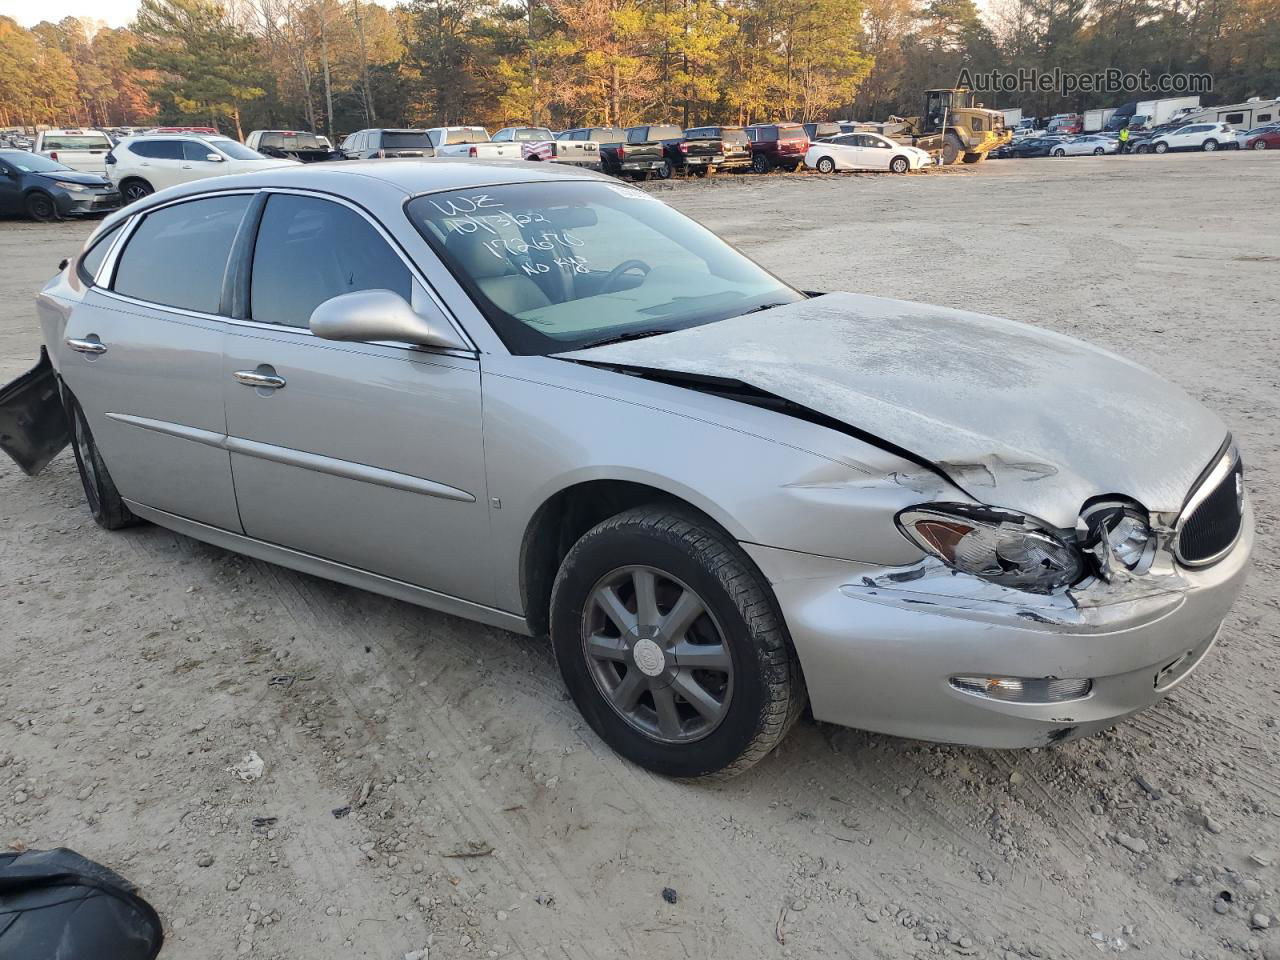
[40,206]
[760,163]
[135,188]
[105,504]
[1209,146]
[826,165]
[1098,151]
[671,644]
[1059,152]
[1161,147]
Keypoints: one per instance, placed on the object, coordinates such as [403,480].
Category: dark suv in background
[777,145]
[383,142]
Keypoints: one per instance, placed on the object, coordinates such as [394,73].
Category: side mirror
[213,157]
[383,315]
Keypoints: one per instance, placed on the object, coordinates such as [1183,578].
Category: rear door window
[92,260]
[76,141]
[157,149]
[177,255]
[310,250]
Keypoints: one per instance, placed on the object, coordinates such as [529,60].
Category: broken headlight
[997,545]
[1119,532]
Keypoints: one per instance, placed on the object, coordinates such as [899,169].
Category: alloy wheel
[657,655]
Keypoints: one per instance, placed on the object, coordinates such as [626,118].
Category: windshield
[560,266]
[63,141]
[235,150]
[530,134]
[467,135]
[292,141]
[31,162]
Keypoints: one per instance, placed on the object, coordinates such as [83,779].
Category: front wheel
[671,644]
[135,189]
[900,165]
[40,206]
[1209,146]
[640,176]
[106,506]
[826,165]
[664,170]
[1260,145]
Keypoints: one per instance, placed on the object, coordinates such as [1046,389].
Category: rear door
[143,356]
[159,161]
[368,454]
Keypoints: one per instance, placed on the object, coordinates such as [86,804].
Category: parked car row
[1167,138]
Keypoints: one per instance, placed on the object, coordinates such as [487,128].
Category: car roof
[176,136]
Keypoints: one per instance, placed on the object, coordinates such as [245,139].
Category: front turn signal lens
[1024,690]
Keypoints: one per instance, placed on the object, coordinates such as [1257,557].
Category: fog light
[1023,690]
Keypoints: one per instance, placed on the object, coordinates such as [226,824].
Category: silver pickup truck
[471,142]
[539,143]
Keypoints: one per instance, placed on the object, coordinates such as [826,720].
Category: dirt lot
[487,821]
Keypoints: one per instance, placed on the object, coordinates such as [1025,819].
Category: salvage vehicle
[83,150]
[537,398]
[471,142]
[864,151]
[44,189]
[300,145]
[620,154]
[1261,138]
[539,143]
[776,145]
[679,154]
[139,166]
[1196,136]
[1085,146]
[731,143]
[1031,147]
[954,126]
[382,143]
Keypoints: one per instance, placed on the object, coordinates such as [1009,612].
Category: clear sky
[116,13]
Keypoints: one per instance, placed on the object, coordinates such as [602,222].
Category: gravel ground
[427,785]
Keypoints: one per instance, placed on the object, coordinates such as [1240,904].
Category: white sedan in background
[864,151]
[1085,146]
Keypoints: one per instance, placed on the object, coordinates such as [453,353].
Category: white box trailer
[1095,120]
[1162,111]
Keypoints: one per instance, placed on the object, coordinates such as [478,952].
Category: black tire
[899,165]
[766,692]
[1098,151]
[952,149]
[41,207]
[1260,145]
[105,504]
[640,176]
[701,171]
[664,170]
[761,164]
[1059,152]
[135,188]
[1161,147]
[1209,145]
[826,165]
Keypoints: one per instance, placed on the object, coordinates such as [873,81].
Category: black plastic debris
[56,905]
[669,895]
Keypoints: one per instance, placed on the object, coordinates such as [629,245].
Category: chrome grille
[1211,521]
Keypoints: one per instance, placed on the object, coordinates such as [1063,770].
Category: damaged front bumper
[33,420]
[880,647]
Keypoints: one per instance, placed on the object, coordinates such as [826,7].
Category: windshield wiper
[763,306]
[622,337]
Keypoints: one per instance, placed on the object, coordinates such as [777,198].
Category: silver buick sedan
[540,399]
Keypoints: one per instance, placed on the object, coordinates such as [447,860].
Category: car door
[10,189]
[159,162]
[143,356]
[196,164]
[876,152]
[368,454]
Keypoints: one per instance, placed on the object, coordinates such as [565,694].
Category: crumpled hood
[1017,416]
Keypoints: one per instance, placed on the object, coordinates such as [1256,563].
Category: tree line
[338,65]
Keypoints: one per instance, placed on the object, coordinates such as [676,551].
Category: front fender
[766,477]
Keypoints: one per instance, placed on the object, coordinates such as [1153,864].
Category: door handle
[262,377]
[90,345]
[186,166]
